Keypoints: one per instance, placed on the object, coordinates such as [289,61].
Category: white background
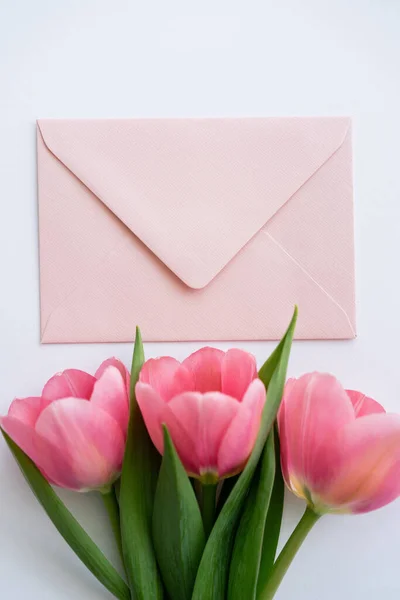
[98,58]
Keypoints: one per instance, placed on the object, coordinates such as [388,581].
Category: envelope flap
[195,191]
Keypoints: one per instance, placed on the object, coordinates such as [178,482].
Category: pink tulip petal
[205,419]
[22,433]
[205,366]
[114,362]
[291,382]
[291,445]
[239,368]
[283,441]
[20,422]
[69,383]
[156,412]
[363,405]
[109,393]
[55,466]
[27,410]
[316,408]
[39,451]
[241,434]
[167,376]
[152,407]
[282,432]
[369,476]
[90,440]
[283,438]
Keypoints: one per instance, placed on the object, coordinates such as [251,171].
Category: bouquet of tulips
[189,459]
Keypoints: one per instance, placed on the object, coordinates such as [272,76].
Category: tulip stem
[208,507]
[288,553]
[112,507]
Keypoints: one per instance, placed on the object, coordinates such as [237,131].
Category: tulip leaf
[212,577]
[227,486]
[258,534]
[68,526]
[138,481]
[178,531]
[273,523]
[246,556]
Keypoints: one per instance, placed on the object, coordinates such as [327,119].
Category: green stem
[288,553]
[111,504]
[208,507]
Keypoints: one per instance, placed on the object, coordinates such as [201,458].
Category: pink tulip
[75,431]
[211,404]
[340,450]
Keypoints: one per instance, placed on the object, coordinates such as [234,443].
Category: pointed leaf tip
[138,482]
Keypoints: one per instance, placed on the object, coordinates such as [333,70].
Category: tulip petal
[22,433]
[152,407]
[155,412]
[284,449]
[239,368]
[39,451]
[369,476]
[20,422]
[316,408]
[363,405]
[205,366]
[69,383]
[91,441]
[27,410]
[112,362]
[240,436]
[205,419]
[167,376]
[109,393]
[115,362]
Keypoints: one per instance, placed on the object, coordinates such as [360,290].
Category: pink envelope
[195,229]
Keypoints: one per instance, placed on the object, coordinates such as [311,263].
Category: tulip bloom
[75,431]
[211,404]
[340,450]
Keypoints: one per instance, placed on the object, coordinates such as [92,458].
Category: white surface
[96,58]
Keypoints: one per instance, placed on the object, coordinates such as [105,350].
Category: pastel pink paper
[201,228]
[339,449]
[75,432]
[213,432]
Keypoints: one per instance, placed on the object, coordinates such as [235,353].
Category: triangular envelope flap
[195,191]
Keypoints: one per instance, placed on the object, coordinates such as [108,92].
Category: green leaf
[178,531]
[212,577]
[68,526]
[136,497]
[246,556]
[273,524]
[226,488]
